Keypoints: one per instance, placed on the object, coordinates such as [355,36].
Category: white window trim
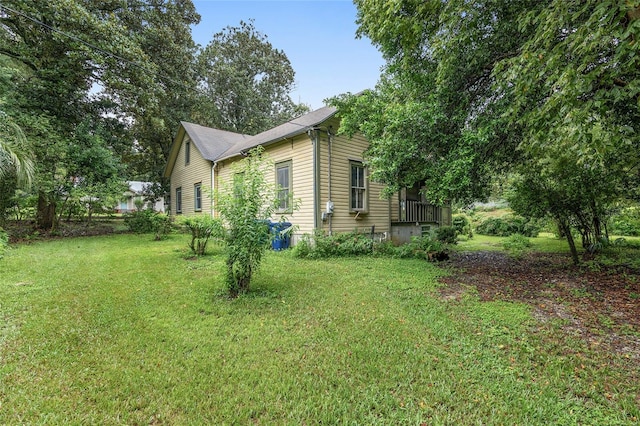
[365,188]
[197,188]
[179,199]
[288,164]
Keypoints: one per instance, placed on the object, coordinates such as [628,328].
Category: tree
[14,155]
[244,82]
[474,89]
[70,49]
[163,29]
[94,176]
[435,99]
[245,207]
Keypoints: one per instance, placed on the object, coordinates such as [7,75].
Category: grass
[545,242]
[124,330]
[626,254]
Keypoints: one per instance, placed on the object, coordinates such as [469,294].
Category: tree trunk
[46,215]
[566,229]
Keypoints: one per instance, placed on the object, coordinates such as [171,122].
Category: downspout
[213,189]
[313,135]
[329,202]
[389,229]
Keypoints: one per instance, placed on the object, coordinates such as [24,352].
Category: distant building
[135,195]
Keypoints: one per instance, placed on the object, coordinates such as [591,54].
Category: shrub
[140,221]
[423,248]
[161,225]
[508,225]
[384,248]
[356,244]
[342,244]
[304,247]
[202,228]
[627,223]
[337,245]
[446,234]
[462,225]
[148,221]
[516,244]
[244,204]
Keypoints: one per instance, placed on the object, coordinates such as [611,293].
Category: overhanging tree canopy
[473,89]
[108,60]
[244,83]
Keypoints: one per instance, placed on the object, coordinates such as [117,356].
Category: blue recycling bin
[279,240]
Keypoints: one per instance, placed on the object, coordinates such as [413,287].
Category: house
[323,170]
[134,194]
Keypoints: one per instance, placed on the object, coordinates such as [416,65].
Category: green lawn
[124,330]
[545,242]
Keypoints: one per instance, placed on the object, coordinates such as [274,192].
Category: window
[197,197]
[283,185]
[179,200]
[358,187]
[187,152]
[238,184]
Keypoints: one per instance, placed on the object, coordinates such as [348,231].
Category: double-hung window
[283,185]
[358,184]
[197,197]
[179,200]
[238,184]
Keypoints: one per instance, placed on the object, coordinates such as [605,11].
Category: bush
[626,223]
[304,247]
[148,221]
[446,235]
[508,225]
[140,221]
[356,244]
[423,248]
[342,244]
[516,244]
[4,242]
[462,225]
[245,204]
[202,228]
[161,225]
[336,245]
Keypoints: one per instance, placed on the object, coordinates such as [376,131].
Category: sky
[318,37]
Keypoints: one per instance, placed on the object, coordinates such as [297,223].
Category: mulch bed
[600,304]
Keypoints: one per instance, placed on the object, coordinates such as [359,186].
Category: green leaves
[244,82]
[245,206]
[547,89]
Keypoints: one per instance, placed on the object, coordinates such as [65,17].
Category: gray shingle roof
[287,130]
[212,142]
[216,145]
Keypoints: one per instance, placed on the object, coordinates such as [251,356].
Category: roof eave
[278,139]
[173,153]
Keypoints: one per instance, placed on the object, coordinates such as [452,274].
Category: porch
[417,219]
[419,212]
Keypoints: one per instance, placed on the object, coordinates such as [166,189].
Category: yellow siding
[185,176]
[344,150]
[395,207]
[299,151]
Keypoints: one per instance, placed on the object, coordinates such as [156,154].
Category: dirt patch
[598,303]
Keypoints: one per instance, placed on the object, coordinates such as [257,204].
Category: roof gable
[209,142]
[216,145]
[212,142]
